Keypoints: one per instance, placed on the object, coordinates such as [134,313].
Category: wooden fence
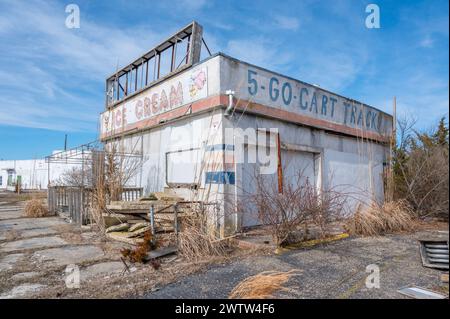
[75,201]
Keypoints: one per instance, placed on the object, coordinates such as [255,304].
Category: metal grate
[434,254]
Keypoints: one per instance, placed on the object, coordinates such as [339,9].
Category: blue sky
[52,78]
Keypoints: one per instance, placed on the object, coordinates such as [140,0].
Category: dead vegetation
[290,214]
[420,184]
[196,242]
[139,254]
[373,220]
[36,208]
[262,285]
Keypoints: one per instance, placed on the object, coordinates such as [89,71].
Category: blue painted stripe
[219,178]
[219,147]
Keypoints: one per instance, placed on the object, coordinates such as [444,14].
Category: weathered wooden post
[175,222]
[152,221]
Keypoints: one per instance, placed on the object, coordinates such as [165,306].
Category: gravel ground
[335,270]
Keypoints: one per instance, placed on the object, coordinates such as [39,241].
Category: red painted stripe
[253,108]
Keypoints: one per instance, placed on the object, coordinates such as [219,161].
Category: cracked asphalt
[333,270]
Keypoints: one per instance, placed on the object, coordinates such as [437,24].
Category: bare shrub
[75,176]
[262,285]
[378,219]
[118,171]
[299,205]
[36,208]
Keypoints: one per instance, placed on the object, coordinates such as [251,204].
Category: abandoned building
[189,120]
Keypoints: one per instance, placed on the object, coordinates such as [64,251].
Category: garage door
[295,164]
[298,164]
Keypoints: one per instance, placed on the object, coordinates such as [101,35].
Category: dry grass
[262,285]
[195,242]
[376,220]
[36,208]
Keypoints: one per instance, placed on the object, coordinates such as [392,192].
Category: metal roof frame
[194,35]
[82,154]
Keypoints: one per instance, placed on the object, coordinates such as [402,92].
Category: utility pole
[393,143]
[394,124]
[65,142]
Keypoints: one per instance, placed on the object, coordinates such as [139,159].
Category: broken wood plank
[124,237]
[118,228]
[167,197]
[140,231]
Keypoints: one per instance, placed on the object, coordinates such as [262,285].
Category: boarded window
[182,167]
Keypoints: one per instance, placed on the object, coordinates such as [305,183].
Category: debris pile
[159,214]
[128,233]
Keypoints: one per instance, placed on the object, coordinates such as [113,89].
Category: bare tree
[421,168]
[75,176]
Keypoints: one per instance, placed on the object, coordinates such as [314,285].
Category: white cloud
[331,70]
[258,51]
[193,4]
[60,72]
[422,95]
[427,42]
[288,23]
[53,77]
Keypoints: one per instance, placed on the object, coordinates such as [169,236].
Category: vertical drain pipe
[227,114]
[230,106]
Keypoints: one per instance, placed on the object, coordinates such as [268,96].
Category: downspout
[227,114]
[230,106]
[236,221]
